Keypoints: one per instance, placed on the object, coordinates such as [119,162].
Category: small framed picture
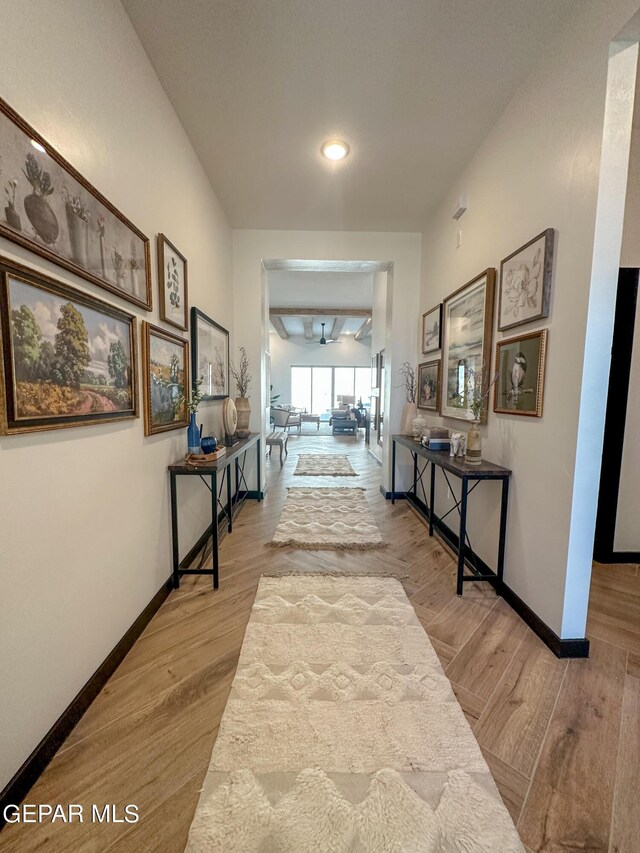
[165,359]
[525,282]
[428,391]
[172,280]
[209,355]
[432,329]
[520,363]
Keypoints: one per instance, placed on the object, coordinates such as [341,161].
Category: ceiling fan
[324,341]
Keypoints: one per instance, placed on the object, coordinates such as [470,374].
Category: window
[319,389]
[301,388]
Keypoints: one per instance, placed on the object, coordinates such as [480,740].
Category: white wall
[297,351]
[540,168]
[403,251]
[84,513]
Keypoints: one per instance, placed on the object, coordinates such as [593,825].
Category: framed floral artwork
[520,362]
[525,282]
[428,382]
[172,281]
[69,359]
[50,209]
[165,359]
[432,329]
[466,348]
[209,355]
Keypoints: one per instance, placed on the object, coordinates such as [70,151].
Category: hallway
[566,767]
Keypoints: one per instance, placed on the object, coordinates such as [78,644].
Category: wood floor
[562,738]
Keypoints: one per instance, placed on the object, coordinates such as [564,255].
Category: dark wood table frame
[221,513]
[467,474]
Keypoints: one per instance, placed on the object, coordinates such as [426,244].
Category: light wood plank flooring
[562,738]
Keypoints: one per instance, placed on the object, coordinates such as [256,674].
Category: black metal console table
[466,473]
[235,495]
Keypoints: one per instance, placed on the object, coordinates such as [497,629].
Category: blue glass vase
[193,435]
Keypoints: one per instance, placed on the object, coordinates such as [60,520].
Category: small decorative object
[10,212]
[410,410]
[166,372]
[521,363]
[229,421]
[429,385]
[455,444]
[172,280]
[210,355]
[477,393]
[468,325]
[55,193]
[525,282]
[418,425]
[432,329]
[208,444]
[69,359]
[242,379]
[194,432]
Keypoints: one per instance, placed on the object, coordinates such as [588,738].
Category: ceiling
[414,86]
[335,293]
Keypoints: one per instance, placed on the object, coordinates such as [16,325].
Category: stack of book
[439,439]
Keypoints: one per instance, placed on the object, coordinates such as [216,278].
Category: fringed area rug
[342,733]
[327,518]
[324,465]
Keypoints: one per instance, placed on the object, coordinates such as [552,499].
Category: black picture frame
[217,370]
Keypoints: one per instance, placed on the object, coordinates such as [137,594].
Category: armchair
[286,419]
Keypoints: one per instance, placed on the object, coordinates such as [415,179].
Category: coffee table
[311,419]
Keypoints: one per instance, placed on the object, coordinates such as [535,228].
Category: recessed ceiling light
[38,146]
[334,149]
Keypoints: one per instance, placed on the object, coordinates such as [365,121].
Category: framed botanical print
[519,389]
[525,282]
[50,209]
[69,359]
[432,329]
[172,281]
[165,359]
[209,355]
[428,390]
[466,351]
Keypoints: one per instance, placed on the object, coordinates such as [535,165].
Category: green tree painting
[71,347]
[26,343]
[117,364]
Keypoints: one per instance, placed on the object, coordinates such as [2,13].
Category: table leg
[214,527]
[259,472]
[503,529]
[227,474]
[415,474]
[432,497]
[463,534]
[174,532]
[393,472]
[237,466]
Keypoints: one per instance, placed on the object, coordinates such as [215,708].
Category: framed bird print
[432,329]
[520,363]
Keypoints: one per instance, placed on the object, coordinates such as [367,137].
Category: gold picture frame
[165,359]
[514,393]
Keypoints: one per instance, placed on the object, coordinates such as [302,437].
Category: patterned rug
[327,518]
[324,465]
[342,733]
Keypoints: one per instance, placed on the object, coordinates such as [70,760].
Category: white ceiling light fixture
[334,149]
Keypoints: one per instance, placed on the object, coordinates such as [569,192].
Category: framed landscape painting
[519,389]
[69,359]
[428,391]
[466,351]
[432,330]
[172,280]
[209,355]
[49,208]
[166,380]
[525,282]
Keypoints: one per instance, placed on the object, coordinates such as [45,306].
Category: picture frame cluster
[68,357]
[458,383]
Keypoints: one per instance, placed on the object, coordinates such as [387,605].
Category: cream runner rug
[342,733]
[323,518]
[324,465]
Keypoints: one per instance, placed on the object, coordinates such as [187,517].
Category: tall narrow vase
[474,446]
[243,408]
[408,416]
[193,435]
